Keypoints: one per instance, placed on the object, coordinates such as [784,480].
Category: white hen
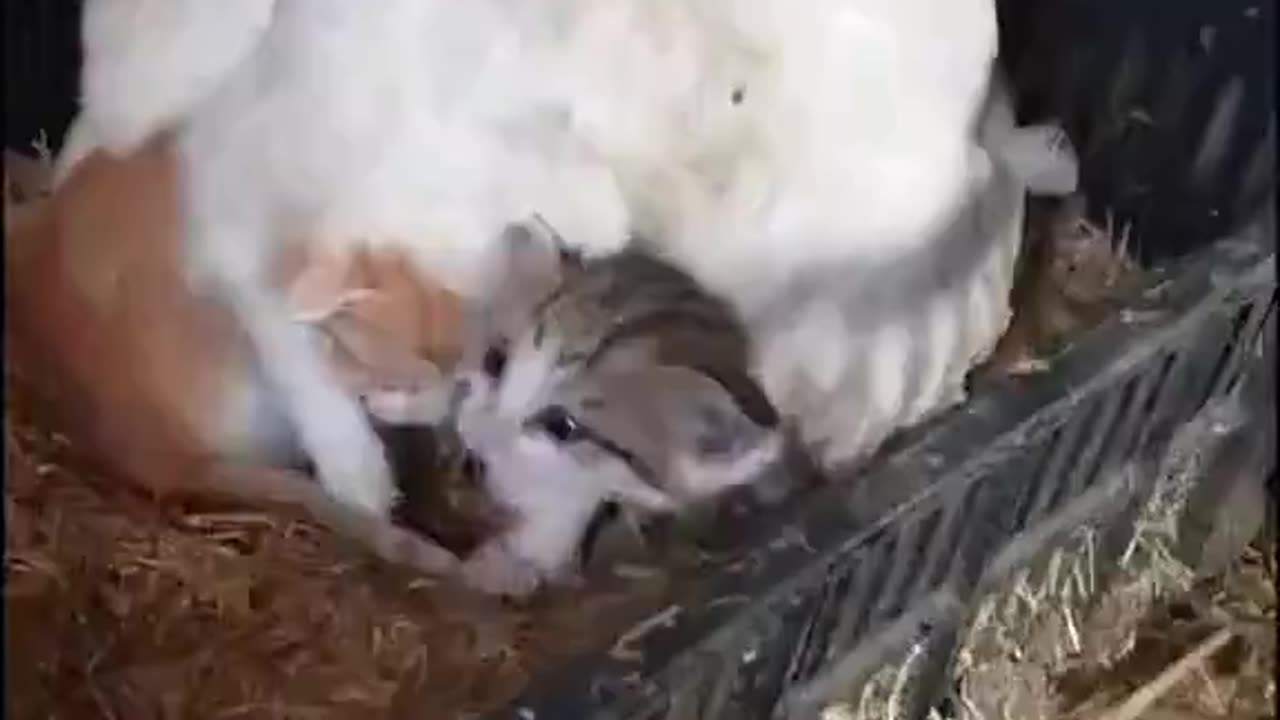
[809,162]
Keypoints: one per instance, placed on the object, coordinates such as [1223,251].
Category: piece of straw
[1146,696]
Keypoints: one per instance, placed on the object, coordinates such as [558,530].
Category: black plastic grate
[1171,103]
[815,647]
[981,481]
[856,610]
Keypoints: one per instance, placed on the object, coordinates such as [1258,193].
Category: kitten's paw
[351,466]
[494,569]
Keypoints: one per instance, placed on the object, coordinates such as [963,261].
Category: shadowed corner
[441,488]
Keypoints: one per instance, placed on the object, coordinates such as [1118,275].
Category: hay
[1077,274]
[121,608]
[883,694]
[1207,653]
[1072,275]
[1040,625]
[1142,701]
[1028,637]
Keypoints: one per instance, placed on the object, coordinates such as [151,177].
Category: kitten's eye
[559,424]
[495,361]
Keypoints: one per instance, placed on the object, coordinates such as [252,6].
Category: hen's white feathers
[148,63]
[865,348]
[757,137]
[750,138]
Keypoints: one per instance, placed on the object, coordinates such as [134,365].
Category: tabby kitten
[616,379]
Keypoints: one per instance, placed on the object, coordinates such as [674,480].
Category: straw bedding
[121,608]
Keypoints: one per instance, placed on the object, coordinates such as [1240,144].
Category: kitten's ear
[718,446]
[533,261]
[528,267]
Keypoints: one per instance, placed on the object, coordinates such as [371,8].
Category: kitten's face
[624,427]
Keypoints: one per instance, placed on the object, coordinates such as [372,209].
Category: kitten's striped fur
[617,378]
